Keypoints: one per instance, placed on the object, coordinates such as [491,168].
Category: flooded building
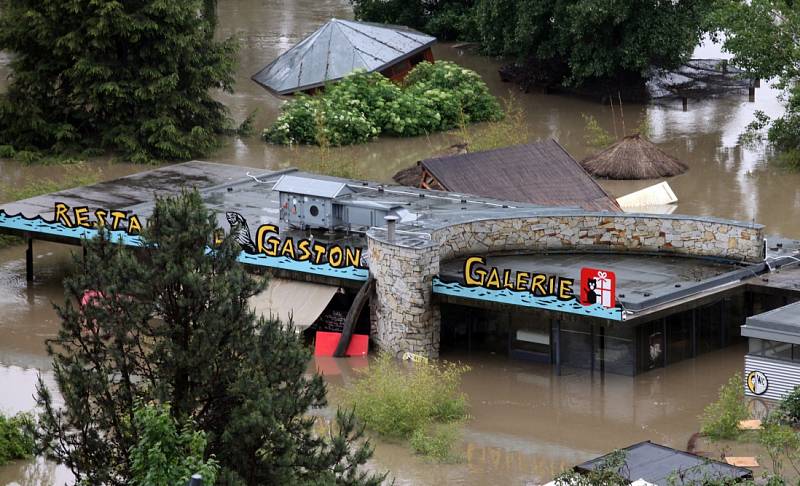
[339,48]
[772,364]
[613,292]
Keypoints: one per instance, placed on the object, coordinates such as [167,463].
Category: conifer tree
[132,76]
[170,323]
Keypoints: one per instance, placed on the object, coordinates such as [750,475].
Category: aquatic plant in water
[434,97]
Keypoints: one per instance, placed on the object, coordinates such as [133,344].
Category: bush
[166,453]
[789,408]
[405,404]
[721,419]
[16,439]
[434,97]
[437,441]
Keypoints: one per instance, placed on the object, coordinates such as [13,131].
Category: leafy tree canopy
[132,76]
[762,36]
[568,42]
[171,324]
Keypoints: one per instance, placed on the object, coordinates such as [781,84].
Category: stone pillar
[404,317]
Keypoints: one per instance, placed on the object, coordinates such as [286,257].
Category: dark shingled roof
[655,463]
[540,173]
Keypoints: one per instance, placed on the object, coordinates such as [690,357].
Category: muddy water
[527,424]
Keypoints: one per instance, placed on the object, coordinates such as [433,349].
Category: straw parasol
[633,157]
[410,176]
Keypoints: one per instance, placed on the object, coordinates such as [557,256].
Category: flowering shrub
[434,97]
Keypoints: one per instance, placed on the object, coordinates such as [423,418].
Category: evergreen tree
[171,324]
[130,76]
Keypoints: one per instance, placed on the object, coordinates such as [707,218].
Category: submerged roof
[656,463]
[781,324]
[539,173]
[633,157]
[337,49]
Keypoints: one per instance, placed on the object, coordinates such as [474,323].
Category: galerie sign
[598,287]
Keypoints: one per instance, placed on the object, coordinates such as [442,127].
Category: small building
[341,47]
[633,157]
[772,364]
[650,463]
[542,173]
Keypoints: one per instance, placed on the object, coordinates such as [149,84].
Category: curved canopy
[337,49]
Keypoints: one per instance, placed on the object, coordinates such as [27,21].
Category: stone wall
[404,317]
[624,233]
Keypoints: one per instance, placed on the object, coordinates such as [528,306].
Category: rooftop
[540,173]
[337,49]
[656,463]
[781,324]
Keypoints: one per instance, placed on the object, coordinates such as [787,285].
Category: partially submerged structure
[647,463]
[633,157]
[341,47]
[658,198]
[541,173]
[772,364]
[420,270]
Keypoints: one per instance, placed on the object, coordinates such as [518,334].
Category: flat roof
[781,324]
[643,281]
[655,464]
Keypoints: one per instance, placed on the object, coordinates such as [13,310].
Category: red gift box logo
[598,287]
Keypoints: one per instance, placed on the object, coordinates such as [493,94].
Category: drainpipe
[391,226]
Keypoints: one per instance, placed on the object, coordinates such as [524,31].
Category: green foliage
[789,408]
[403,403]
[131,77]
[762,36]
[165,453]
[16,438]
[782,444]
[596,136]
[435,96]
[721,419]
[512,129]
[437,441]
[606,474]
[444,19]
[175,327]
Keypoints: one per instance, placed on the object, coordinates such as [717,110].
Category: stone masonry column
[404,318]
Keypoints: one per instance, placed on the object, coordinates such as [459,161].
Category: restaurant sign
[596,296]
[269,250]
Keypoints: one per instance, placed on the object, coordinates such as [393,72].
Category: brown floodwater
[527,424]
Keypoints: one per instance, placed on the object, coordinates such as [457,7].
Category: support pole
[751,94]
[557,336]
[29,261]
[685,101]
[352,316]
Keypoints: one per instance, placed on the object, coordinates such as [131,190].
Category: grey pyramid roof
[338,48]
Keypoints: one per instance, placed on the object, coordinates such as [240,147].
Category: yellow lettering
[62,215]
[288,248]
[493,280]
[134,227]
[319,251]
[263,230]
[335,256]
[82,216]
[100,215]
[116,217]
[305,253]
[536,284]
[565,289]
[352,257]
[507,282]
[522,280]
[479,273]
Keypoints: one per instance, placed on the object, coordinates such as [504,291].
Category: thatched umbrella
[633,157]
[410,176]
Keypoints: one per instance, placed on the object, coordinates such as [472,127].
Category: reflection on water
[527,423]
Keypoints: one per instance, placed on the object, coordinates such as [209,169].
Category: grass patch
[77,175]
[510,130]
[16,437]
[720,420]
[412,403]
